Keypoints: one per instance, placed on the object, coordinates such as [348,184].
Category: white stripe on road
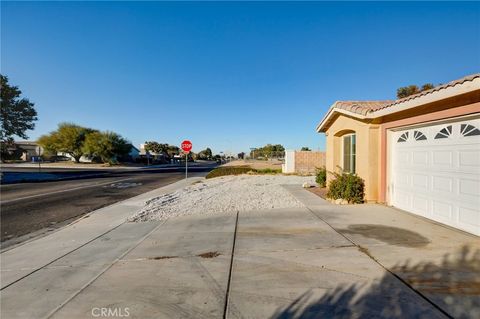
[62,191]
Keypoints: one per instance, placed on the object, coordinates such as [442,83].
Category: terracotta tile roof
[368,108]
[468,78]
[360,107]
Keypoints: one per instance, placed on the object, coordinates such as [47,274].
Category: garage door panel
[420,205]
[468,217]
[403,179]
[438,178]
[442,209]
[469,158]
[420,158]
[403,159]
[470,187]
[442,184]
[403,199]
[420,181]
[442,158]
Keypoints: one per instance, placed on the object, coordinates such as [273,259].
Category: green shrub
[229,170]
[268,171]
[346,186]
[321,178]
[238,170]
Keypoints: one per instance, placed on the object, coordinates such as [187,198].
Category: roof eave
[321,127]
[445,93]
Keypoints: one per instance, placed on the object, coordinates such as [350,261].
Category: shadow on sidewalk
[453,285]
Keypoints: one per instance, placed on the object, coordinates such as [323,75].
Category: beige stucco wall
[367,151]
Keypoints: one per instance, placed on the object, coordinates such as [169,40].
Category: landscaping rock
[227,194]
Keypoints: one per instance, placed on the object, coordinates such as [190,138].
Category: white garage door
[435,172]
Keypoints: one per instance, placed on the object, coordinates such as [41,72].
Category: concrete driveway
[321,261]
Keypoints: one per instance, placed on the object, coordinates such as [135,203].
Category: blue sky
[226,75]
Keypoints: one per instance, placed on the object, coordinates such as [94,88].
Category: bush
[268,171]
[229,170]
[346,186]
[321,178]
[238,170]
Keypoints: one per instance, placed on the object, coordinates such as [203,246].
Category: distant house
[83,159]
[152,156]
[132,155]
[27,150]
[134,152]
[420,153]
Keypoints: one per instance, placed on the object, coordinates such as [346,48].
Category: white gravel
[221,195]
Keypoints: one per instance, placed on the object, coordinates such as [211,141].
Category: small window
[419,136]
[469,130]
[444,132]
[403,137]
[349,153]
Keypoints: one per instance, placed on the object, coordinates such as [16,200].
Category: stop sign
[186,146]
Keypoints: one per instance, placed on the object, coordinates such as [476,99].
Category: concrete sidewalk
[287,263]
[19,261]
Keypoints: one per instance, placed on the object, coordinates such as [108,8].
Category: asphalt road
[32,209]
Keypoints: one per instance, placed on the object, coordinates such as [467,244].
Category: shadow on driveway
[453,284]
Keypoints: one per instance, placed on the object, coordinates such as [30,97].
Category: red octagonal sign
[186,146]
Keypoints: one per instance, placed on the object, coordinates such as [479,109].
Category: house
[27,150]
[420,154]
[134,152]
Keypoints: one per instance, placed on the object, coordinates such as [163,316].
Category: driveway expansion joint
[103,271]
[60,257]
[230,271]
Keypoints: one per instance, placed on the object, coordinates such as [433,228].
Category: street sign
[186,146]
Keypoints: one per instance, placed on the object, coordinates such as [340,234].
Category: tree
[268,151]
[305,148]
[405,91]
[206,154]
[172,150]
[156,147]
[17,115]
[427,86]
[68,138]
[106,145]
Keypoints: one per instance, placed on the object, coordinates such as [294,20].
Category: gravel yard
[227,194]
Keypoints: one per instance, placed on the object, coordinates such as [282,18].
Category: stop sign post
[186,147]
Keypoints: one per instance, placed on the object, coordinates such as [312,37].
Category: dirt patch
[210,254]
[162,257]
[390,235]
[319,191]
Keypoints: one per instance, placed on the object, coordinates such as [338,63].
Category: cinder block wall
[307,161]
